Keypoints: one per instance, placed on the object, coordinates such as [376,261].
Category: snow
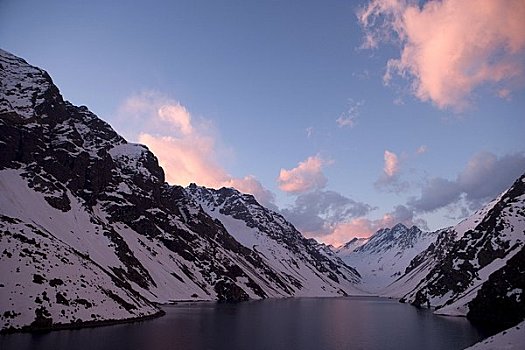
[22,86]
[285,262]
[130,157]
[406,283]
[49,245]
[510,339]
[473,220]
[381,261]
[460,305]
[349,247]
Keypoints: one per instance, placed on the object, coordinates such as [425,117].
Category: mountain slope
[305,264]
[91,232]
[350,246]
[477,268]
[386,255]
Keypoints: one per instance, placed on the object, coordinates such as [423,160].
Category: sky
[345,116]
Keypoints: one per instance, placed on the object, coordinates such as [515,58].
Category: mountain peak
[24,88]
[386,254]
[399,227]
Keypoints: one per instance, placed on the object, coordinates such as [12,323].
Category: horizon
[304,105]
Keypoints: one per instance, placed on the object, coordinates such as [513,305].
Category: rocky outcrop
[476,268]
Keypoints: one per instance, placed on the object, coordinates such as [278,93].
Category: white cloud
[422,149]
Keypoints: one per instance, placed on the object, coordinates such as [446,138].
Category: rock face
[309,267]
[385,256]
[90,231]
[477,268]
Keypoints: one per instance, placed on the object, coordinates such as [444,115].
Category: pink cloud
[186,160]
[364,227]
[177,116]
[187,149]
[391,167]
[344,232]
[307,176]
[451,47]
[249,184]
[389,179]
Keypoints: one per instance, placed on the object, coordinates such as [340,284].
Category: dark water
[307,323]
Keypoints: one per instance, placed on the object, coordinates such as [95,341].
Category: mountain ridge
[88,224]
[385,255]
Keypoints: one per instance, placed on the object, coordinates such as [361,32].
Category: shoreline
[81,325]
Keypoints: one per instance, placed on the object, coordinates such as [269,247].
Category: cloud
[349,118]
[345,120]
[309,131]
[187,148]
[390,180]
[437,193]
[391,167]
[484,177]
[343,232]
[422,149]
[450,48]
[307,176]
[177,116]
[317,213]
[249,184]
[187,159]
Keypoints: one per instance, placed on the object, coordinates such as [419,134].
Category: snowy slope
[91,217]
[509,339]
[386,255]
[310,269]
[419,266]
[349,246]
[476,268]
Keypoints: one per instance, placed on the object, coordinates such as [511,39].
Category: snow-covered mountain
[385,256]
[308,265]
[350,246]
[477,268]
[90,231]
[509,339]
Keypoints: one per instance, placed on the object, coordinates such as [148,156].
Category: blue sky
[256,89]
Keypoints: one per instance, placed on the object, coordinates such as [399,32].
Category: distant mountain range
[90,233]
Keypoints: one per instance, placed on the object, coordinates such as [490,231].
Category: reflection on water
[304,323]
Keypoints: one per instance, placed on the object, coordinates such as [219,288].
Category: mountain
[510,339]
[383,257]
[308,265]
[90,232]
[350,246]
[477,268]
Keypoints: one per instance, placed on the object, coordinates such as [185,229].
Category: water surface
[299,323]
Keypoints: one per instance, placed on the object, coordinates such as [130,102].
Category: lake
[300,323]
